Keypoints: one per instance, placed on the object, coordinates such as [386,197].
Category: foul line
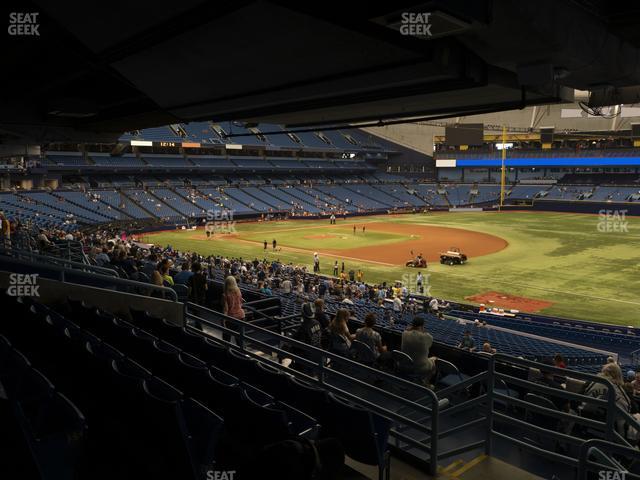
[326,254]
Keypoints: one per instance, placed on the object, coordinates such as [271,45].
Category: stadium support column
[502,169]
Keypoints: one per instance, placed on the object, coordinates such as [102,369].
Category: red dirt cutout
[506,301]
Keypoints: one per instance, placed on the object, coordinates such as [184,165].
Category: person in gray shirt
[369,336]
[416,343]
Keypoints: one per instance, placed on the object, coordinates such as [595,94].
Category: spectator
[339,328]
[635,384]
[347,300]
[416,343]
[43,240]
[165,265]
[232,304]
[265,290]
[397,304]
[558,361]
[156,278]
[388,318]
[321,317]
[148,266]
[125,263]
[197,284]
[486,348]
[286,286]
[5,230]
[549,379]
[467,342]
[184,275]
[613,373]
[369,336]
[433,305]
[310,330]
[103,258]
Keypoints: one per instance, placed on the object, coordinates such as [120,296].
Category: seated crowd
[170,267]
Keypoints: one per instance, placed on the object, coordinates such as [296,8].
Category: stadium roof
[96,69]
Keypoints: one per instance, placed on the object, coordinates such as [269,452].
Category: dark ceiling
[100,68]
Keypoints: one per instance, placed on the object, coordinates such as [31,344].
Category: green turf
[334,237]
[562,258]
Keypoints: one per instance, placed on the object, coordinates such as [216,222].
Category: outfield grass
[562,258]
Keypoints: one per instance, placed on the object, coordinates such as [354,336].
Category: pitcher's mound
[511,302]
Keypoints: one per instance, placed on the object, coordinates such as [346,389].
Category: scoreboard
[149,143]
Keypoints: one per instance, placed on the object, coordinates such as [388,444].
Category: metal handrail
[607,426]
[244,330]
[167,293]
[57,261]
[597,445]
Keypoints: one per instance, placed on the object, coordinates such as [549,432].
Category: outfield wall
[581,206]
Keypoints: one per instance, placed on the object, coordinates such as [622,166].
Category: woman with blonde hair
[339,330]
[612,372]
[231,303]
[156,278]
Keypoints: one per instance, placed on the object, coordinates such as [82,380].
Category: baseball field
[570,265]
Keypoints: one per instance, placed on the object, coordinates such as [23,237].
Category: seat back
[363,434]
[241,365]
[362,352]
[403,362]
[540,419]
[143,320]
[205,430]
[58,439]
[182,291]
[338,344]
[575,385]
[272,380]
[446,368]
[308,397]
[164,431]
